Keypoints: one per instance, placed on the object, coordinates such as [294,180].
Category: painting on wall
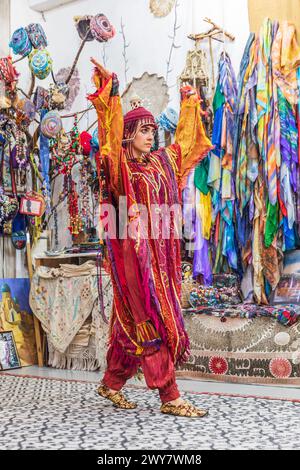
[16,316]
[9,358]
[288,288]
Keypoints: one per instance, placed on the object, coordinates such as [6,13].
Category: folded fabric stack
[285,314]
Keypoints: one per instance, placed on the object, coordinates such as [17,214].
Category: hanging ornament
[41,98]
[20,42]
[65,149]
[40,63]
[83,26]
[51,124]
[36,35]
[101,29]
[195,72]
[25,110]
[58,94]
[161,8]
[168,120]
[85,142]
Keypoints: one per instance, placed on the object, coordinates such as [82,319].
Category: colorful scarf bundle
[101,29]
[20,42]
[40,63]
[36,35]
[267,153]
[51,124]
[220,168]
[83,26]
[168,120]
[8,73]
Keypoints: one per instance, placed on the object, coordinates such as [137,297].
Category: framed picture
[288,290]
[9,357]
[31,206]
[16,316]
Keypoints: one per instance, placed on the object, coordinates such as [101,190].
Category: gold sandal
[186,410]
[118,398]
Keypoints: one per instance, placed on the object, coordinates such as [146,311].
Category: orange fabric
[191,137]
[285,61]
[110,127]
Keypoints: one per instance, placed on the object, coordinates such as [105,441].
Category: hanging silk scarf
[220,173]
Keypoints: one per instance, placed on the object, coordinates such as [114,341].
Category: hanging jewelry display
[64,149]
[75,223]
[84,191]
[21,149]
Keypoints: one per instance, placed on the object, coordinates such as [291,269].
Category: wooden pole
[37,328]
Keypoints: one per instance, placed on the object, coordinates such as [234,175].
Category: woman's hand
[187,91]
[103,72]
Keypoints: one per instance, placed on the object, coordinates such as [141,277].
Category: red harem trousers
[158,369]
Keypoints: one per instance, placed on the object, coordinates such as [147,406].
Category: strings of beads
[21,156]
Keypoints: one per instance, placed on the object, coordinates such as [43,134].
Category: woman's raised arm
[107,103]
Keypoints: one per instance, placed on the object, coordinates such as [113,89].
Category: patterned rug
[58,414]
[241,350]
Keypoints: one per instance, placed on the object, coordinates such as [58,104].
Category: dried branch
[77,56]
[104,57]
[23,92]
[92,125]
[18,60]
[78,112]
[211,33]
[125,46]
[32,84]
[53,209]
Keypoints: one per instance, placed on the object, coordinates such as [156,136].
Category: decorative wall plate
[161,8]
[153,91]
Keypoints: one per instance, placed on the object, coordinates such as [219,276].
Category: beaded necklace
[84,190]
[65,150]
[21,156]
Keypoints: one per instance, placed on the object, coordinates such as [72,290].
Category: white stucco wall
[148,37]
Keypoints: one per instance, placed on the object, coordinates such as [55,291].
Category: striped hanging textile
[247,137]
[220,174]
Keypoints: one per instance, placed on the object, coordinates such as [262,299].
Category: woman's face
[144,139]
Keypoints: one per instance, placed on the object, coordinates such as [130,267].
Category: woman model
[146,325]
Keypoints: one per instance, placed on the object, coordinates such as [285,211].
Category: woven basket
[186,288]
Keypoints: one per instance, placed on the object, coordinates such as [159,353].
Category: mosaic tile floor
[56,414]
